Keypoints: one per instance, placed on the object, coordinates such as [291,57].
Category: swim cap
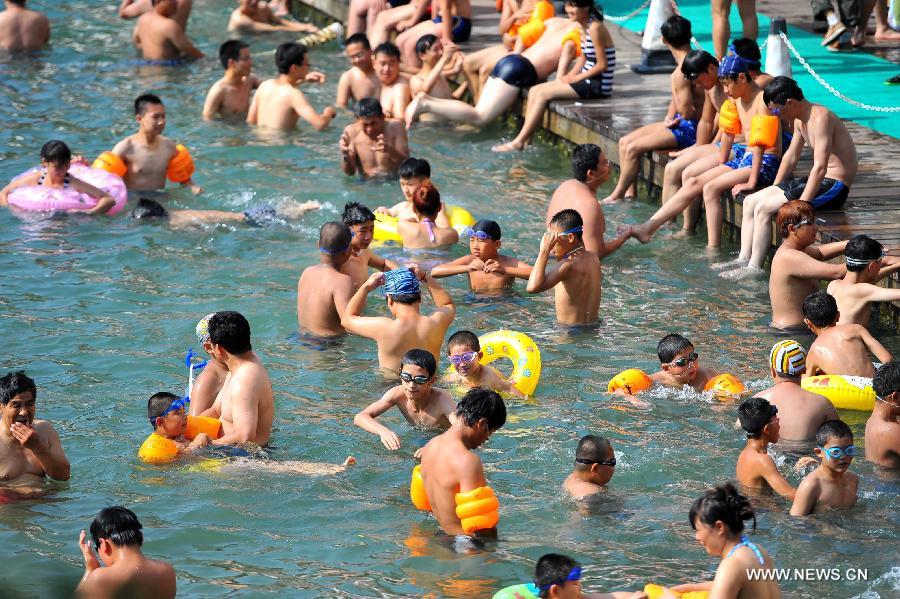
[732,65]
[488,227]
[788,357]
[202,329]
[400,282]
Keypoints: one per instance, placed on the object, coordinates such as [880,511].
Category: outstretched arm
[366,420]
[776,481]
[881,352]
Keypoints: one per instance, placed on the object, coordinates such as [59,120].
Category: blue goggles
[574,575]
[836,453]
[176,405]
[189,360]
[578,229]
[479,235]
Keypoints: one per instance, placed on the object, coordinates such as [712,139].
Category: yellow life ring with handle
[655,591]
[845,392]
[518,348]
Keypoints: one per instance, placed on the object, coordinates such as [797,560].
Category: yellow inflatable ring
[521,350]
[725,386]
[631,382]
[655,591]
[386,225]
[845,392]
[477,509]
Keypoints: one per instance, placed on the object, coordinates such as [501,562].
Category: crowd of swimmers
[396,85]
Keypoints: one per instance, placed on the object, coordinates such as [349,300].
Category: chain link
[828,86]
[630,15]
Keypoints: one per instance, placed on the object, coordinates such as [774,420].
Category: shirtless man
[278,103]
[590,170]
[576,281]
[160,37]
[245,404]
[323,291]
[230,95]
[801,412]
[117,537]
[866,265]
[409,328]
[451,21]
[394,88]
[361,221]
[253,16]
[449,466]
[255,216]
[883,426]
[211,379]
[798,265]
[755,468]
[132,9]
[29,448]
[838,348]
[22,30]
[373,146]
[360,80]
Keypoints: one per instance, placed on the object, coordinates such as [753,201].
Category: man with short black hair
[360,80]
[883,427]
[230,95]
[22,30]
[373,145]
[595,463]
[866,265]
[160,37]
[755,468]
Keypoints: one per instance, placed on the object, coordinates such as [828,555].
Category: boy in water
[255,216]
[230,95]
[361,222]
[838,348]
[22,30]
[360,80]
[421,403]
[373,146]
[168,416]
[395,95]
[595,464]
[680,364]
[559,577]
[414,173]
[160,37]
[323,290]
[488,270]
[464,352]
[577,279]
[831,485]
[117,537]
[883,426]
[755,467]
[866,265]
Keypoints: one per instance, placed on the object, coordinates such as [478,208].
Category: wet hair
[427,201]
[793,212]
[748,49]
[676,31]
[479,403]
[231,50]
[421,358]
[406,298]
[464,339]
[388,49]
[414,167]
[820,309]
[159,403]
[551,569]
[568,219]
[334,237]
[230,330]
[367,108]
[697,62]
[425,43]
[15,383]
[887,379]
[833,429]
[356,214]
[723,503]
[754,414]
[358,38]
[780,90]
[144,101]
[288,55]
[670,346]
[147,208]
[585,158]
[861,251]
[591,448]
[595,11]
[56,152]
[119,526]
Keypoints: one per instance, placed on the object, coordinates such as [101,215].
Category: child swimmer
[361,221]
[595,464]
[414,173]
[831,485]
[680,364]
[486,267]
[465,355]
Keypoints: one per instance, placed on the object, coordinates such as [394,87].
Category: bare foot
[744,272]
[641,233]
[610,199]
[414,109]
[729,264]
[887,35]
[858,38]
[295,210]
[682,234]
[508,147]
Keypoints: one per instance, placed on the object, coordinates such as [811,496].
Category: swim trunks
[461,30]
[685,132]
[515,70]
[830,195]
[589,89]
[396,3]
[767,171]
[260,216]
[737,150]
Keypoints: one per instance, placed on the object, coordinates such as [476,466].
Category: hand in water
[25,435]
[196,189]
[91,562]
[390,440]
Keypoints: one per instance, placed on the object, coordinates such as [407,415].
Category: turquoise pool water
[100,313]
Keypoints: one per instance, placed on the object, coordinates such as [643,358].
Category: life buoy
[845,392]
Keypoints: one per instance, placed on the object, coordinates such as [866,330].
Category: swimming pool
[101,312]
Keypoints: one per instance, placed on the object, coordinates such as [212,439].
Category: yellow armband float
[725,386]
[655,591]
[181,166]
[477,509]
[109,162]
[575,37]
[417,491]
[157,449]
[763,131]
[631,382]
[729,121]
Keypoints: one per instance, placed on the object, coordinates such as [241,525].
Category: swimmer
[253,16]
[424,232]
[800,412]
[56,158]
[408,328]
[168,416]
[595,464]
[360,80]
[755,468]
[132,9]
[414,173]
[883,427]
[230,95]
[29,449]
[487,268]
[256,216]
[148,152]
[680,364]
[126,571]
[395,95]
[361,221]
[838,348]
[439,61]
[278,104]
[576,281]
[451,21]
[323,290]
[831,485]
[464,353]
[449,466]
[590,171]
[160,37]
[211,378]
[373,146]
[866,265]
[245,404]
[251,465]
[22,30]
[421,403]
[559,577]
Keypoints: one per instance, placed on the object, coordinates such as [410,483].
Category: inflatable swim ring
[38,198]
[519,591]
[845,392]
[655,591]
[725,386]
[631,382]
[521,350]
[386,225]
[157,449]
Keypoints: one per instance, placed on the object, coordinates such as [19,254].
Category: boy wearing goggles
[883,426]
[464,352]
[559,577]
[168,416]
[866,265]
[680,364]
[486,267]
[831,485]
[755,467]
[595,464]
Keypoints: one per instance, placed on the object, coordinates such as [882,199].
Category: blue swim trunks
[461,28]
[767,171]
[685,132]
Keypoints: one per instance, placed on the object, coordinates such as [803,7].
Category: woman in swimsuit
[423,232]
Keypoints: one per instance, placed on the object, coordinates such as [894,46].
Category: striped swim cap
[202,329]
[788,357]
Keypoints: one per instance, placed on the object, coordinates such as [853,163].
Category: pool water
[100,312]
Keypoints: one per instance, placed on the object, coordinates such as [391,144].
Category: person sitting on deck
[399,16]
[748,49]
[866,265]
[451,21]
[253,16]
[439,61]
[22,30]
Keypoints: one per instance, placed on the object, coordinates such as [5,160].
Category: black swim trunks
[589,89]
[831,194]
[515,70]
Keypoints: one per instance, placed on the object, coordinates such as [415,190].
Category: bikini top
[44,174]
[746,542]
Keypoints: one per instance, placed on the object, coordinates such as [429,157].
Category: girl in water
[424,232]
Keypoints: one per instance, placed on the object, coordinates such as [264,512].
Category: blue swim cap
[400,282]
[732,65]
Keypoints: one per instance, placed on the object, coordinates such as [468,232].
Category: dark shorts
[589,89]
[515,70]
[685,133]
[767,171]
[462,28]
[396,3]
[831,194]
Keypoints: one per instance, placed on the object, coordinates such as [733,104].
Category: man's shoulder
[43,427]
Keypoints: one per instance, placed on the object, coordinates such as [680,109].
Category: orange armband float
[477,509]
[417,491]
[729,121]
[575,37]
[725,386]
[543,10]
[203,424]
[531,32]
[157,449]
[181,166]
[109,162]
[631,382]
[763,131]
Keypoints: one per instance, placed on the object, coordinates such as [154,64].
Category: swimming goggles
[465,358]
[805,221]
[479,235]
[836,453]
[574,575]
[334,252]
[863,261]
[682,362]
[578,229]
[774,111]
[418,379]
[890,403]
[176,405]
[609,462]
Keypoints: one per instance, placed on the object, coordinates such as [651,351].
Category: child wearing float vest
[486,267]
[174,432]
[464,352]
[830,485]
[413,173]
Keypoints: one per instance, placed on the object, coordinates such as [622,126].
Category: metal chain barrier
[828,86]
[629,16]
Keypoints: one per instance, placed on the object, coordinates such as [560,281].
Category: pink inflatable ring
[38,198]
